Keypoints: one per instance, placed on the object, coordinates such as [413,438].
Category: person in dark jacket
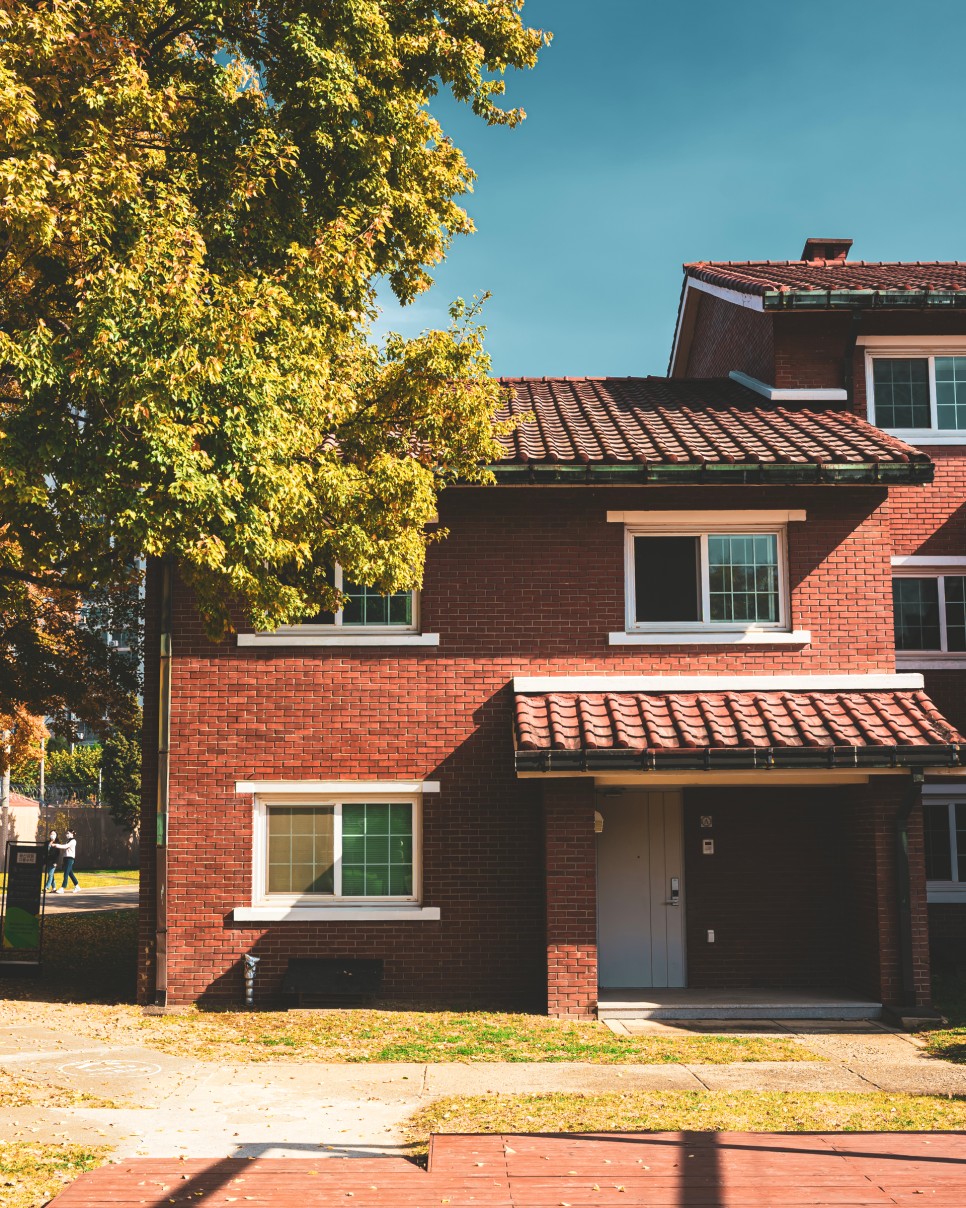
[51,856]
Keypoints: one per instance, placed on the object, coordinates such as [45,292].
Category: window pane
[901,392]
[743,575]
[960,821]
[666,579]
[955,586]
[300,849]
[377,849]
[951,392]
[935,823]
[366,606]
[916,604]
[322,618]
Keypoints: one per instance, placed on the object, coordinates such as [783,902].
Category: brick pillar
[877,965]
[571,872]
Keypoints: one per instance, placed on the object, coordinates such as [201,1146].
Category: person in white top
[70,851]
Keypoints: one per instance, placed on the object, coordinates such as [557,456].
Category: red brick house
[646,728]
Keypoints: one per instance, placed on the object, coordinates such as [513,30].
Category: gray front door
[640,890]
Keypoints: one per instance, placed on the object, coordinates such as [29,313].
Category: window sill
[931,660]
[330,914]
[740,637]
[928,436]
[939,891]
[295,638]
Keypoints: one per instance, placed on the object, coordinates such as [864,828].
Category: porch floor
[752,1003]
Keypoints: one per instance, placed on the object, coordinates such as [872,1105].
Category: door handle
[674,899]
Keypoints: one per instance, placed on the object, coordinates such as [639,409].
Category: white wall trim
[910,343]
[936,562]
[543,684]
[777,394]
[924,437]
[344,788]
[331,914]
[740,637]
[685,519]
[297,637]
[931,660]
[748,301]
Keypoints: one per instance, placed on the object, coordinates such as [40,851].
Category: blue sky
[663,133]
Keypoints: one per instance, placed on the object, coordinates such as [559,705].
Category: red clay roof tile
[639,721]
[784,276]
[678,421]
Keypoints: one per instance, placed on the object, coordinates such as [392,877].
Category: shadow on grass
[86,958]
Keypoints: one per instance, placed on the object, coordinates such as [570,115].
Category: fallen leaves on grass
[24,1092]
[948,1044]
[695,1111]
[30,1175]
[418,1036]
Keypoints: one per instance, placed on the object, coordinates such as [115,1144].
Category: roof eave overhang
[863,299]
[869,473]
[714,759]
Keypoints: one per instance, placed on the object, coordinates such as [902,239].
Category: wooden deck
[650,1170]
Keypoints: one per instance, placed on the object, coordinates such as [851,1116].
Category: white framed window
[917,388]
[687,580]
[944,833]
[367,610]
[347,851]
[337,848]
[929,612]
[367,618]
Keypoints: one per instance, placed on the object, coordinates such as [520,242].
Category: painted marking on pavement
[112,1067]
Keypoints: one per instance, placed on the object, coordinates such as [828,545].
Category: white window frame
[931,568]
[915,347]
[278,907]
[335,633]
[954,890]
[706,632]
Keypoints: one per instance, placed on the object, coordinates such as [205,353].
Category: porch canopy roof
[720,731]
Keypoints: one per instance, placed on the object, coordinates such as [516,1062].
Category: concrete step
[743,1004]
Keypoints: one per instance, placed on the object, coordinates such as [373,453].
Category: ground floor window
[334,849]
[944,828]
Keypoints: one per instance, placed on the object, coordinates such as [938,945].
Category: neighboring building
[643,727]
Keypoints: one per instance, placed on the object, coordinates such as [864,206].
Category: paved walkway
[170,1106]
[109,897]
[659,1170]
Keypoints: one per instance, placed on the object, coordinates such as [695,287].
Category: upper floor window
[367,618]
[930,612]
[919,393]
[706,578]
[367,608]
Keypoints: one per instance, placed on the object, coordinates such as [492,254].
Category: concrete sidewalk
[87,899]
[167,1105]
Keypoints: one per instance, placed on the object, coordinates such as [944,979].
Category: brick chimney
[829,251]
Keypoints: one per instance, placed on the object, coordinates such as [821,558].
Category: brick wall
[571,882]
[727,337]
[529,582]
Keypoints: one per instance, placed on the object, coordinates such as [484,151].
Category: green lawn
[404,1035]
[103,877]
[950,997]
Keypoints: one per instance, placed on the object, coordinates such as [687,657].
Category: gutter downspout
[164,738]
[903,884]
